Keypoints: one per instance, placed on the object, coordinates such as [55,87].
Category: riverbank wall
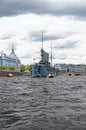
[14,73]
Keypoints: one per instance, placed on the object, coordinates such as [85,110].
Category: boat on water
[43,68]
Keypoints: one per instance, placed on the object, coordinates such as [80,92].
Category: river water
[28,103]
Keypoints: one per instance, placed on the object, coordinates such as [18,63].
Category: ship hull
[42,70]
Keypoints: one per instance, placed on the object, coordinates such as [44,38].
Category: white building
[10,60]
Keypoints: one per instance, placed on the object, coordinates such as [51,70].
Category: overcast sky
[63,23]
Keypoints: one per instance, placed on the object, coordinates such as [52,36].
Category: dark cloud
[68,45]
[37,36]
[16,7]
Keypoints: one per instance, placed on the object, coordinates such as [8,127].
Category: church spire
[12,48]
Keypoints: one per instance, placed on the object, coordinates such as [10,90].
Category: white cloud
[68,36]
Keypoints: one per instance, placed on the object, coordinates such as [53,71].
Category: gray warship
[43,68]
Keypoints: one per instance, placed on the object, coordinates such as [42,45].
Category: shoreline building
[71,69]
[10,60]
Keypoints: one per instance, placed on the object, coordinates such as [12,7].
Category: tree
[11,68]
[22,68]
[3,67]
[0,67]
[28,67]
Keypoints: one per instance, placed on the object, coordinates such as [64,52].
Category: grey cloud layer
[67,45]
[37,36]
[66,7]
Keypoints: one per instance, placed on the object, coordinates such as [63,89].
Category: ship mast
[42,39]
[51,53]
[42,56]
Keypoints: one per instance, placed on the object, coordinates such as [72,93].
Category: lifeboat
[10,75]
[49,76]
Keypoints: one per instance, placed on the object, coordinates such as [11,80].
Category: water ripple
[43,104]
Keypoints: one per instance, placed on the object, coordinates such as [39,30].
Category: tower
[12,48]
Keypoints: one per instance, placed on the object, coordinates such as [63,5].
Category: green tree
[28,67]
[3,67]
[22,68]
[0,67]
[11,68]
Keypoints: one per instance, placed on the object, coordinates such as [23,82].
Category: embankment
[14,73]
